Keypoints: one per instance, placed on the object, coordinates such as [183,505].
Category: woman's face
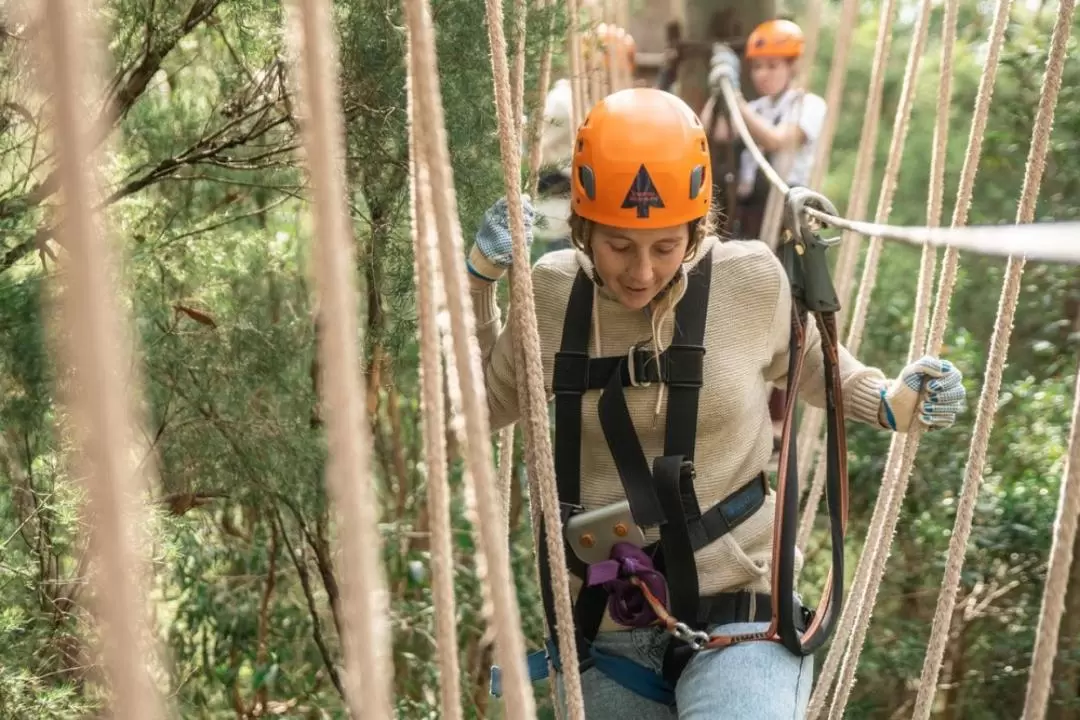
[635,264]
[771,76]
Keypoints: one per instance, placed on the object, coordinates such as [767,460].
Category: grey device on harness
[593,533]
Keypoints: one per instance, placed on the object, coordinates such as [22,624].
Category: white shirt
[556,135]
[807,110]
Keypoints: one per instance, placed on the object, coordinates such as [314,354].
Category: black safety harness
[661,494]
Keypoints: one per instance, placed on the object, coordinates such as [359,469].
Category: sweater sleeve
[497,357]
[861,384]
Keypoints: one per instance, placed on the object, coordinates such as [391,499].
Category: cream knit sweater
[746,341]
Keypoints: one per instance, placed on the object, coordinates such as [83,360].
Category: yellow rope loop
[96,347]
[364,598]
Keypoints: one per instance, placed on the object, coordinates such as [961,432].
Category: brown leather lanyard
[803,254]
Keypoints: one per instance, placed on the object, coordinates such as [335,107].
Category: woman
[644,270]
[784,121]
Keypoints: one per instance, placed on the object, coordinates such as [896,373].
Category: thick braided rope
[536,122]
[809,438]
[492,549]
[904,446]
[579,105]
[1057,575]
[999,346]
[858,321]
[594,70]
[834,91]
[859,199]
[518,71]
[364,603]
[901,124]
[97,349]
[897,141]
[531,372]
[433,413]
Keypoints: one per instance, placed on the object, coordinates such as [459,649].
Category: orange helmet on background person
[641,160]
[775,39]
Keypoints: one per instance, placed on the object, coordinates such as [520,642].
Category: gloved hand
[492,252]
[930,389]
[723,64]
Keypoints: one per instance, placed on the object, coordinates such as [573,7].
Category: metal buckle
[696,639]
[632,366]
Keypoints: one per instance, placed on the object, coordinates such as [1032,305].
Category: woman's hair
[581,231]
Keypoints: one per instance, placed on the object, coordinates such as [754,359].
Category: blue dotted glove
[492,252]
[930,389]
[723,64]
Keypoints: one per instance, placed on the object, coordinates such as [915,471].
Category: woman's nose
[641,269]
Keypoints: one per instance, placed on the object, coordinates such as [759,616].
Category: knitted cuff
[862,398]
[485,307]
[483,268]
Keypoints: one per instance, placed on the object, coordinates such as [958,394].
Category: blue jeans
[749,681]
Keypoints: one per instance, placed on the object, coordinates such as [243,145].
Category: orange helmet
[641,160]
[775,39]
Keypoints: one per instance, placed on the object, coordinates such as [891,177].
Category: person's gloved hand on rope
[930,389]
[723,64]
[492,252]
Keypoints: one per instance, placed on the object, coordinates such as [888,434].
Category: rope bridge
[96,344]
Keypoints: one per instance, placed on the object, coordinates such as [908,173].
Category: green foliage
[208,197]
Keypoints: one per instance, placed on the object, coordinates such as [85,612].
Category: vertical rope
[860,197]
[1057,575]
[97,349]
[531,371]
[999,346]
[364,603]
[536,122]
[577,89]
[904,446]
[432,412]
[809,439]
[509,643]
[834,90]
[595,64]
[518,73]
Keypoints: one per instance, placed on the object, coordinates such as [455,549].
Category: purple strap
[626,602]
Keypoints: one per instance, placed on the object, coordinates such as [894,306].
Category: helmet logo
[642,194]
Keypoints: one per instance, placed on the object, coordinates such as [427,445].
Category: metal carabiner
[803,227]
[696,639]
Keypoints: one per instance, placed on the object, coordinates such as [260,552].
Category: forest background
[206,192]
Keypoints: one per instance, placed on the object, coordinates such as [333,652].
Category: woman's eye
[664,250]
[619,248]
